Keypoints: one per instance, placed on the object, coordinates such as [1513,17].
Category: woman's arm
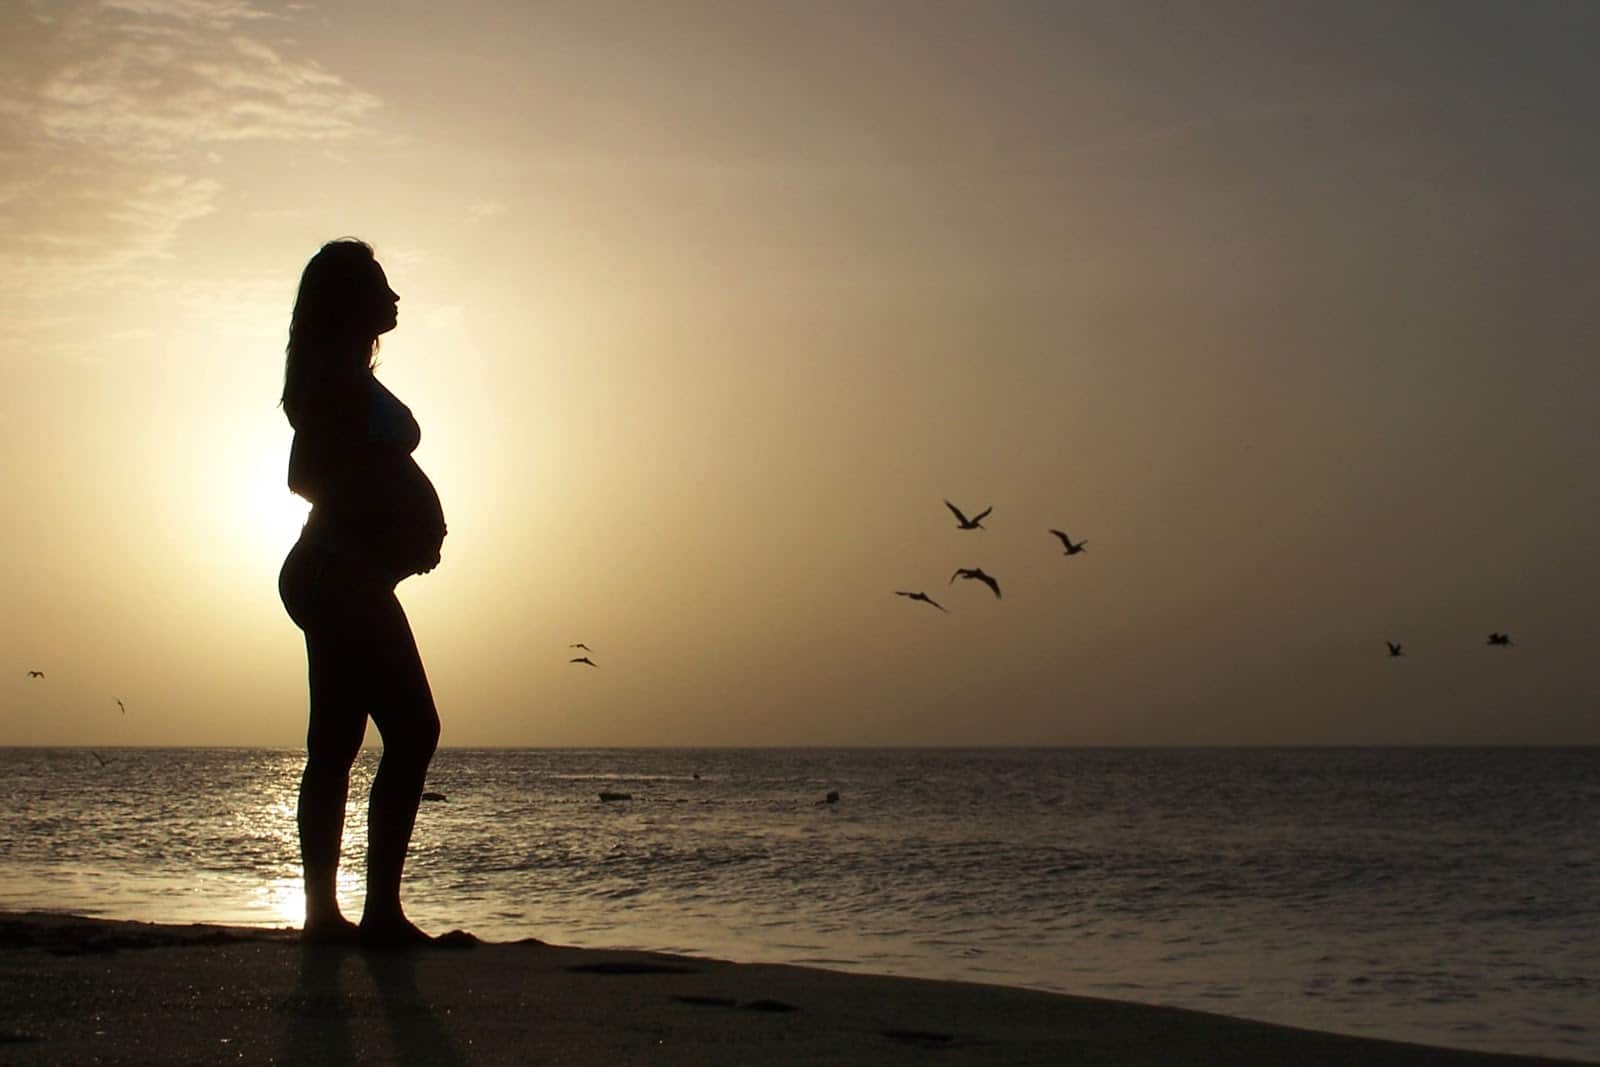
[330,439]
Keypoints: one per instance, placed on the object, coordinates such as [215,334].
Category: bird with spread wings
[964,523]
[1071,548]
[978,574]
[924,597]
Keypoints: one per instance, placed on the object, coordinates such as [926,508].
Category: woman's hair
[331,331]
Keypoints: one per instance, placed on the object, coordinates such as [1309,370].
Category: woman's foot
[333,930]
[395,932]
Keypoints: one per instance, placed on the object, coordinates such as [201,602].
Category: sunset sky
[1288,310]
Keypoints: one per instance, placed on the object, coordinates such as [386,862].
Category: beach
[79,990]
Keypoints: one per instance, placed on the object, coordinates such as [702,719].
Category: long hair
[330,331]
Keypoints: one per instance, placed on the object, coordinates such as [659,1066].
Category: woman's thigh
[402,707]
[363,662]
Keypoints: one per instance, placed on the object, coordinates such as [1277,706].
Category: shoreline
[78,990]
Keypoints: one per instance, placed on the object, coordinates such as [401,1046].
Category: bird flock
[1073,548]
[978,574]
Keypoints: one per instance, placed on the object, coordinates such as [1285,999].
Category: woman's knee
[411,742]
[426,737]
[324,773]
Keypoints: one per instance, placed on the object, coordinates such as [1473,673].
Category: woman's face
[386,302]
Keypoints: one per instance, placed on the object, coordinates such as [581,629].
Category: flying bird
[964,523]
[924,597]
[1499,639]
[124,709]
[103,761]
[583,659]
[1395,649]
[36,674]
[1072,549]
[580,644]
[977,572]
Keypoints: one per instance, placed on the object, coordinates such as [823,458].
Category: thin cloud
[219,13]
[150,99]
[162,206]
[74,234]
[115,113]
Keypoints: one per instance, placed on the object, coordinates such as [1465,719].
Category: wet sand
[75,990]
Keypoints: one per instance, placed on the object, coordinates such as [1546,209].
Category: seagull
[36,674]
[1395,649]
[1072,549]
[964,523]
[124,709]
[977,572]
[102,759]
[1499,639]
[580,644]
[584,659]
[924,597]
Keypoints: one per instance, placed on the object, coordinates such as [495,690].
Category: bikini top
[351,458]
[390,422]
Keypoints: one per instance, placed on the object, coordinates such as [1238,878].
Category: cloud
[114,115]
[153,96]
[219,13]
[76,233]
[156,212]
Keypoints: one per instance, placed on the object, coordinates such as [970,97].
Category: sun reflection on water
[270,827]
[282,901]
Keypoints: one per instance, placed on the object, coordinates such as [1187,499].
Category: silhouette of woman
[375,520]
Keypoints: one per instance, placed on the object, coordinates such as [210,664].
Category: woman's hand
[434,559]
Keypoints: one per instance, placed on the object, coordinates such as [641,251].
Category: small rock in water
[616,796]
[831,798]
[434,796]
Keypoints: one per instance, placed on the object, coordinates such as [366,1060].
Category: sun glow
[264,515]
[277,513]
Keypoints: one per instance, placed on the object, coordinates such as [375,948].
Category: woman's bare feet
[392,932]
[334,930]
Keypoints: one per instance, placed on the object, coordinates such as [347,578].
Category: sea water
[1448,896]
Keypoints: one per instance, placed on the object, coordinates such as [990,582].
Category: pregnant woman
[375,520]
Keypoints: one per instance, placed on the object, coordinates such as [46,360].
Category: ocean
[1446,896]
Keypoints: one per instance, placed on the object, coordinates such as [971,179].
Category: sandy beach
[76,990]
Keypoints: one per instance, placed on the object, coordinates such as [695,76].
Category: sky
[1287,310]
